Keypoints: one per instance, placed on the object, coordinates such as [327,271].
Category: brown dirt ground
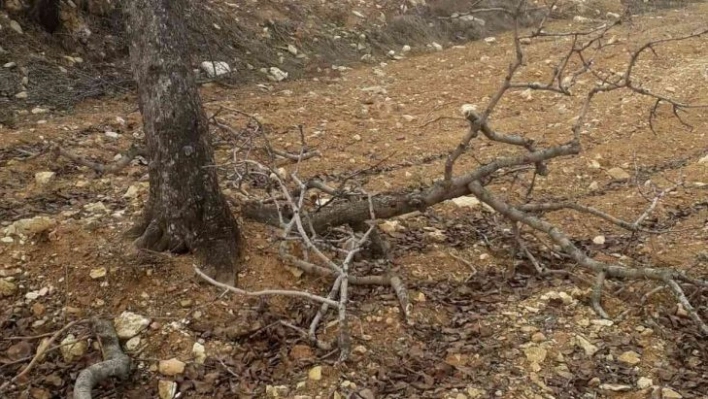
[469,335]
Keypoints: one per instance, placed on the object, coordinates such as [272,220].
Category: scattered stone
[436,235]
[71,349]
[39,110]
[277,391]
[668,393]
[216,68]
[593,186]
[277,74]
[35,225]
[10,65]
[580,19]
[360,349]
[408,118]
[615,387]
[7,240]
[38,309]
[437,46]
[466,202]
[315,373]
[199,353]
[185,303]
[390,226]
[618,174]
[43,178]
[535,354]
[525,40]
[171,367]
[7,288]
[703,160]
[129,324]
[599,240]
[583,343]
[96,207]
[612,15]
[166,389]
[132,344]
[112,135]
[406,49]
[98,273]
[131,192]
[490,40]
[292,49]
[630,358]
[21,95]
[644,382]
[40,393]
[356,137]
[475,393]
[538,337]
[16,27]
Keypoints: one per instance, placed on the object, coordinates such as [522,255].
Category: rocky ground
[483,323]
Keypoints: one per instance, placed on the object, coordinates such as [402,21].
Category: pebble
[315,373]
[171,367]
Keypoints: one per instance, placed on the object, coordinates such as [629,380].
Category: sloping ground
[495,331]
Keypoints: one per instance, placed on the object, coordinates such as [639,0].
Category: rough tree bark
[186,211]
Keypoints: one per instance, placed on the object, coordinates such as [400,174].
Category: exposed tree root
[115,363]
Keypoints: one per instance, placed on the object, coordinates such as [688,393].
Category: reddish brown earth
[502,332]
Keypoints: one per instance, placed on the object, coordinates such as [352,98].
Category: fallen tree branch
[115,363]
[115,167]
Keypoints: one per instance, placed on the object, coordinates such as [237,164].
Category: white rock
[581,19]
[131,192]
[390,226]
[615,387]
[472,18]
[467,109]
[358,14]
[589,348]
[644,382]
[96,207]
[599,240]
[356,137]
[618,174]
[129,324]
[166,389]
[490,40]
[10,65]
[171,367]
[21,95]
[612,15]
[199,353]
[437,46]
[132,344]
[216,68]
[112,135]
[593,186]
[16,27]
[7,240]
[277,74]
[98,273]
[703,160]
[315,373]
[7,288]
[43,178]
[292,49]
[39,110]
[406,49]
[630,358]
[35,225]
[668,393]
[72,349]
[466,202]
[408,118]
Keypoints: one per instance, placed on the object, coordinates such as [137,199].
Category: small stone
[166,389]
[599,240]
[669,393]
[216,68]
[593,186]
[112,135]
[277,74]
[538,337]
[360,349]
[185,303]
[420,297]
[703,160]
[466,202]
[16,27]
[132,344]
[98,273]
[7,240]
[583,343]
[131,192]
[96,207]
[644,382]
[525,40]
[9,65]
[618,174]
[35,225]
[315,373]
[615,387]
[408,118]
[199,353]
[292,49]
[490,40]
[406,49]
[277,391]
[630,358]
[171,367]
[7,288]
[612,15]
[390,226]
[356,137]
[38,110]
[535,354]
[71,349]
[43,178]
[40,393]
[38,309]
[21,95]
[130,324]
[580,19]
[437,46]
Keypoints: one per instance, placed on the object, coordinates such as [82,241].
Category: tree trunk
[186,211]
